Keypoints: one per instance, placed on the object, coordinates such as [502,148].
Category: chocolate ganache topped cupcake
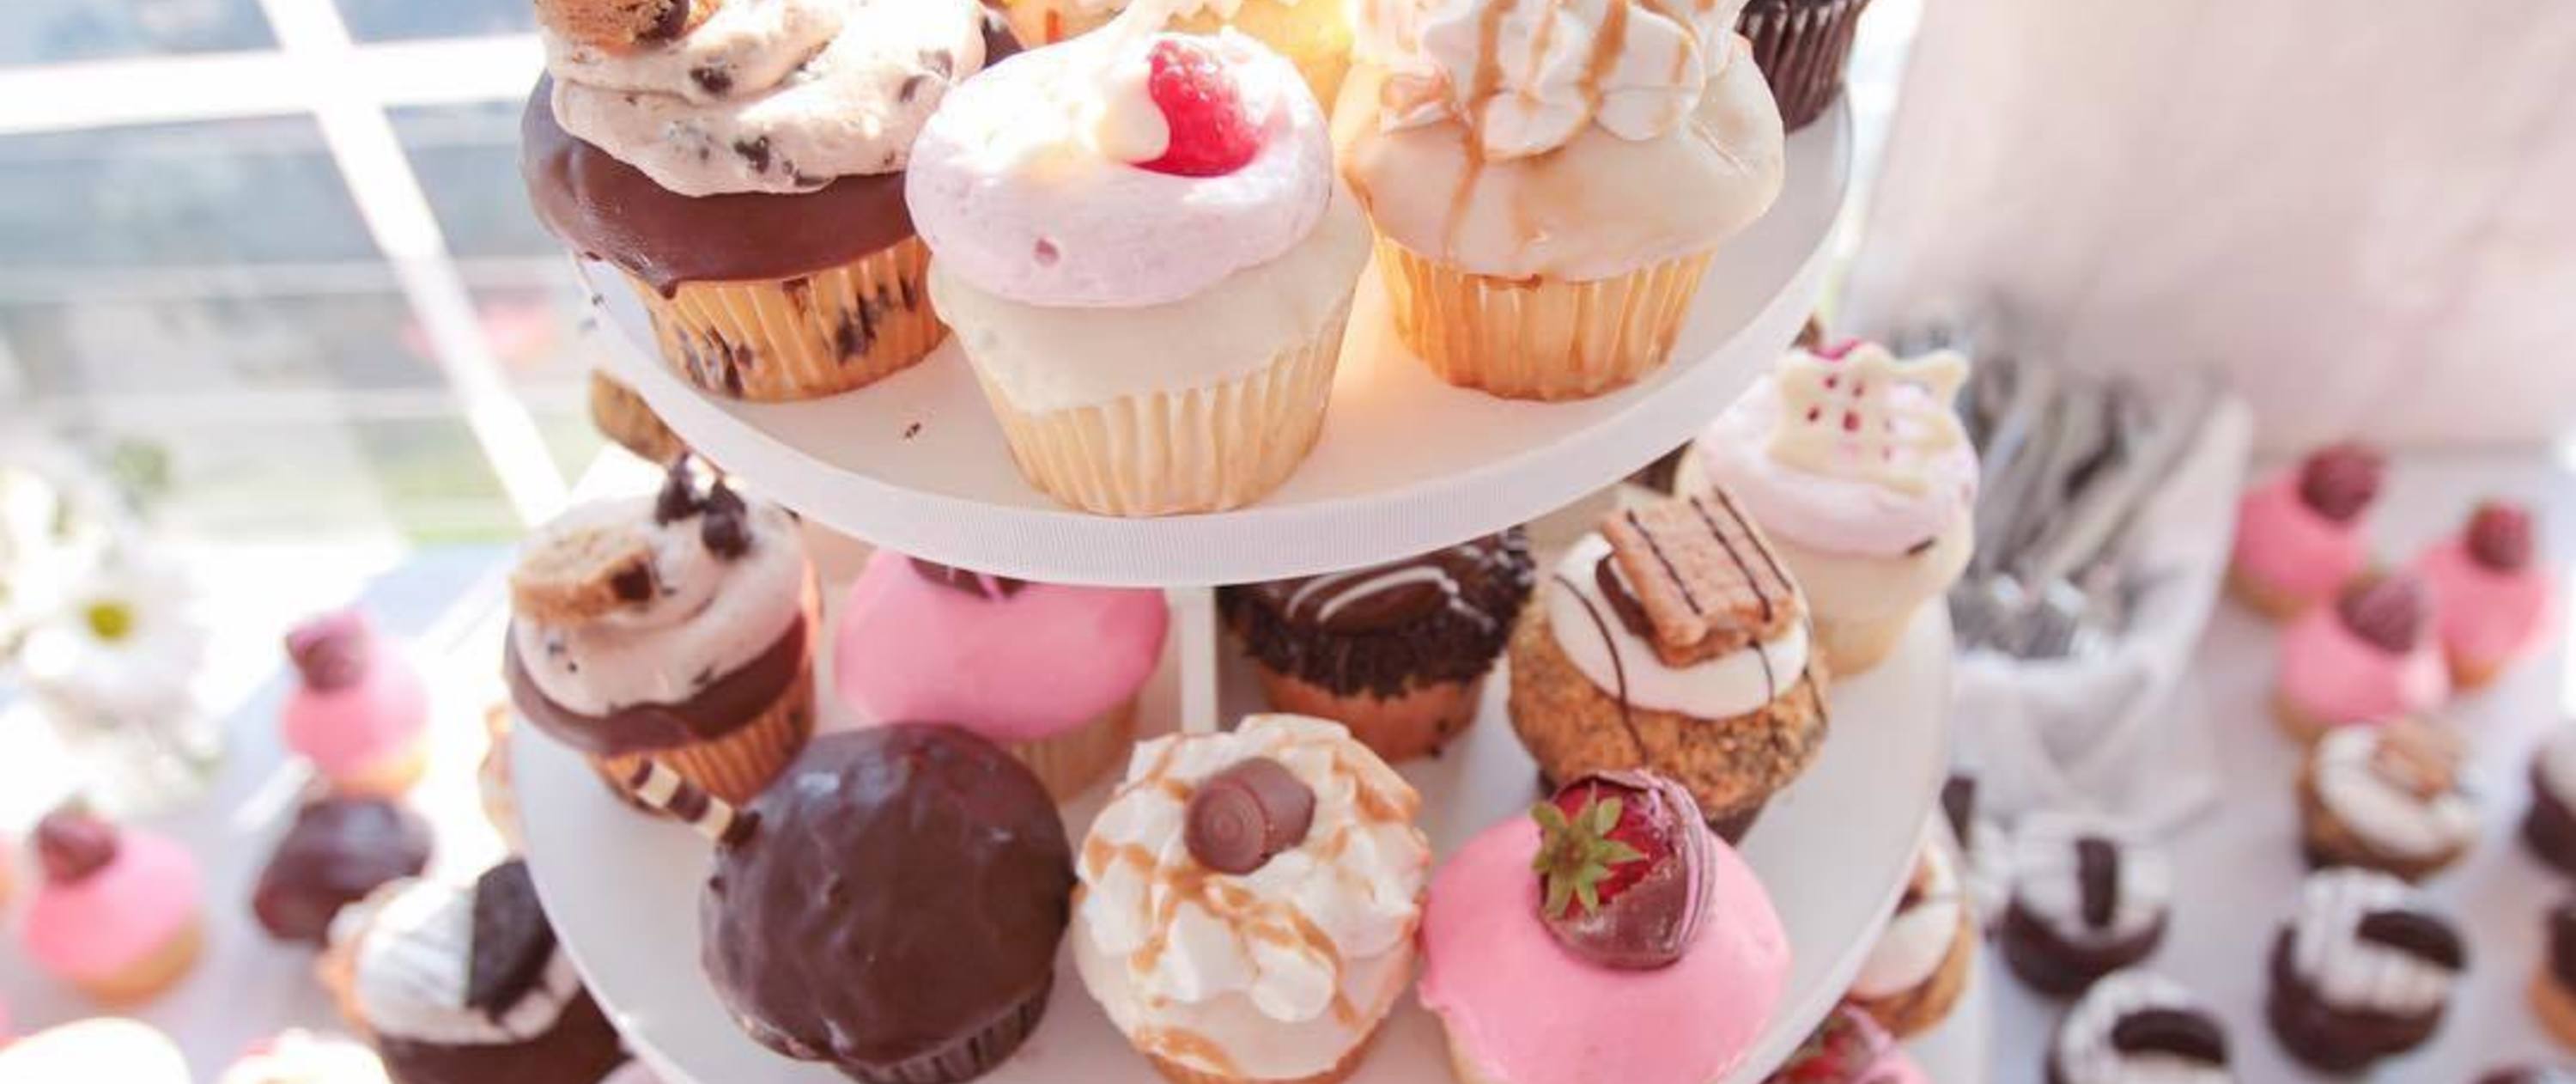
[339,851]
[1396,652]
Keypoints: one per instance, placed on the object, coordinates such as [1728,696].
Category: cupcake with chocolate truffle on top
[338,852]
[2493,601]
[2363,971]
[2136,1027]
[2087,900]
[2369,658]
[2386,798]
[1398,652]
[1917,971]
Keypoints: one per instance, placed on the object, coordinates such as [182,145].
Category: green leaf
[1605,816]
[1611,852]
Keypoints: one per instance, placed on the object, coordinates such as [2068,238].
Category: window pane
[467,158]
[226,192]
[180,344]
[54,31]
[383,20]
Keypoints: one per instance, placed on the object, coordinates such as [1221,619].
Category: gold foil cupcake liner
[739,765]
[1070,762]
[1194,450]
[803,337]
[1802,47]
[1543,338]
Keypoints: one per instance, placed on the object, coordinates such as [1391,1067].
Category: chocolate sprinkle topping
[1242,817]
[2416,934]
[2097,871]
[512,942]
[2181,1033]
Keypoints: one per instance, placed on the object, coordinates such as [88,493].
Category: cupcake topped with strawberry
[2299,536]
[2494,600]
[2370,658]
[1658,953]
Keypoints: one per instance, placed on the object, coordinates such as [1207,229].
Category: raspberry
[1211,135]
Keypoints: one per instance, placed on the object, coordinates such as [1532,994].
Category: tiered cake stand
[1406,464]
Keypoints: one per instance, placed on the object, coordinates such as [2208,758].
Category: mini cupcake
[1672,640]
[1541,239]
[118,913]
[1917,971]
[1316,37]
[2493,604]
[1803,47]
[2299,535]
[300,1057]
[1143,250]
[2549,828]
[460,984]
[1049,672]
[1641,950]
[2361,972]
[360,714]
[1397,652]
[338,852]
[2136,1027]
[2087,900]
[1249,902]
[1849,1048]
[623,416]
[2386,798]
[2369,658]
[1863,480]
[931,977]
[103,1049]
[2553,986]
[742,165]
[673,628]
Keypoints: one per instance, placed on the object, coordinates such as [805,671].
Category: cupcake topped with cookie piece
[2363,971]
[2088,898]
[2386,798]
[2138,1027]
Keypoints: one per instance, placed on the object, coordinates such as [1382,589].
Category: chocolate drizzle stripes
[1675,574]
[656,785]
[1769,560]
[1618,666]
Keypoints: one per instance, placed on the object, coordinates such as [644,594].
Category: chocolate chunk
[678,499]
[1959,806]
[2338,482]
[2499,536]
[911,86]
[512,941]
[338,851]
[974,583]
[1243,816]
[754,151]
[2097,873]
[2180,1033]
[633,583]
[2387,613]
[725,536]
[715,81]
[330,651]
[72,845]
[673,22]
[2416,934]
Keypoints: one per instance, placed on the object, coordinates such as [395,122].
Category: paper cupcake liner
[1070,762]
[1195,450]
[1537,338]
[2555,1005]
[387,776]
[803,337]
[1802,47]
[1912,1012]
[967,1058]
[737,766]
[1415,723]
[1852,647]
[147,977]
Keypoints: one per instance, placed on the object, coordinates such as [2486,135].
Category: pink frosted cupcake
[118,914]
[2299,535]
[361,714]
[1642,951]
[1849,1048]
[2493,604]
[1048,671]
[2369,658]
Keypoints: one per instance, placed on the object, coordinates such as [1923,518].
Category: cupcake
[671,627]
[1049,672]
[2386,798]
[2299,535]
[742,165]
[623,416]
[1863,480]
[1249,901]
[2493,605]
[932,977]
[1672,640]
[1316,37]
[2531,1074]
[1397,652]
[1917,971]
[1539,238]
[2087,900]
[360,714]
[1146,257]
[118,913]
[2361,972]
[459,984]
[1849,1048]
[2135,1027]
[1608,936]
[338,852]
[2369,658]
[300,1057]
[1802,47]
[107,1048]
[2549,827]
[2553,986]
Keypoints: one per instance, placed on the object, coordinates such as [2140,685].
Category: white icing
[1719,688]
[2048,883]
[715,617]
[2387,815]
[413,960]
[1542,75]
[1834,510]
[2085,1055]
[298,1057]
[1918,938]
[2347,972]
[2558,764]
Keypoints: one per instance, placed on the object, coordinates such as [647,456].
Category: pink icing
[118,915]
[1528,1012]
[2285,546]
[1038,662]
[2331,674]
[2484,615]
[346,731]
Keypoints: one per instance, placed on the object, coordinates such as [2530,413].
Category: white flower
[120,646]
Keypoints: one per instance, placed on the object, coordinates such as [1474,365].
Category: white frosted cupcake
[1140,244]
[1249,901]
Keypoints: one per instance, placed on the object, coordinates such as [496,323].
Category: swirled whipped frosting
[1526,76]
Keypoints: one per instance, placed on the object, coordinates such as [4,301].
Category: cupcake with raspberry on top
[360,714]
[2299,535]
[2493,602]
[2369,658]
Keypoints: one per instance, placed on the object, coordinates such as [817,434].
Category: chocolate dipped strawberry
[1625,868]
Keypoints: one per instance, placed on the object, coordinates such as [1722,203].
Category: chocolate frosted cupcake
[2386,798]
[2361,972]
[1399,652]
[743,165]
[338,851]
[931,975]
[673,628]
[1802,47]
[2087,900]
[467,985]
[2553,987]
[2549,829]
[2137,1026]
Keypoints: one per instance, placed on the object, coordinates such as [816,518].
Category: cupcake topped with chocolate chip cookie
[2137,1027]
